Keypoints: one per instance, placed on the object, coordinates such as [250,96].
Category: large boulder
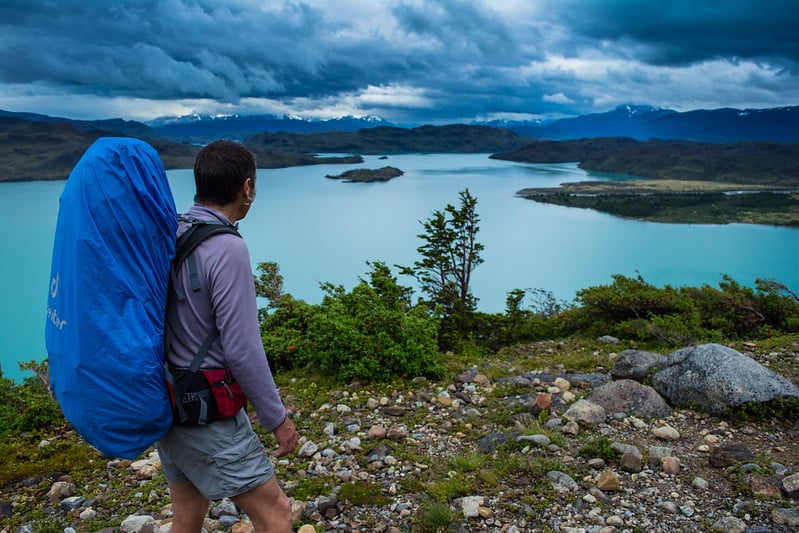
[717,378]
[637,364]
[630,397]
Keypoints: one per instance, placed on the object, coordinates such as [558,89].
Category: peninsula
[675,181]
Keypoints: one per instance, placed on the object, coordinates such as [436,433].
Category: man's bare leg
[267,506]
[189,508]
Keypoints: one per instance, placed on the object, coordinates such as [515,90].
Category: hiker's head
[224,172]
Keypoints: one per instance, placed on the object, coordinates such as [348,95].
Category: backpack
[113,247]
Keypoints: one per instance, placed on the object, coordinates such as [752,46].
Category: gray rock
[471,506]
[585,412]
[539,440]
[729,524]
[790,485]
[138,524]
[786,516]
[728,454]
[637,365]
[468,376]
[379,453]
[308,449]
[489,443]
[72,503]
[717,378]
[630,397]
[561,481]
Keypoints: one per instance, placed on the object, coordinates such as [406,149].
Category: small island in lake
[366,175]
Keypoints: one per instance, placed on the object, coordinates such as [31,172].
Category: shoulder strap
[185,246]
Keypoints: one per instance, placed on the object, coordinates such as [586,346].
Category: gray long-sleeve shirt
[226,299]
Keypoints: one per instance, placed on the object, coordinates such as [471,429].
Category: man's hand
[286,436]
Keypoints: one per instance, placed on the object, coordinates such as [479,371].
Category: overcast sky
[408,61]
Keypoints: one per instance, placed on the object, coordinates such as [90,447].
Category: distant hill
[775,164]
[779,124]
[391,140]
[41,149]
[118,126]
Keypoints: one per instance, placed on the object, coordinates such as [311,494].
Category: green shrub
[369,333]
[631,308]
[599,447]
[435,516]
[28,406]
[363,494]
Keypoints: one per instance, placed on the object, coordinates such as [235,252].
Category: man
[224,458]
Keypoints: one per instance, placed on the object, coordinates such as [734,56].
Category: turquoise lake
[322,230]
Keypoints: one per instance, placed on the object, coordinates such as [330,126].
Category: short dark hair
[220,170]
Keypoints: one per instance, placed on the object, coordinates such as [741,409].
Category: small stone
[88,514]
[543,401]
[308,449]
[562,384]
[307,528]
[764,487]
[397,433]
[614,520]
[539,440]
[671,465]
[485,512]
[666,433]
[572,428]
[72,503]
[608,481]
[596,463]
[631,462]
[376,432]
[60,489]
[561,481]
[238,527]
[138,524]
[470,505]
[786,516]
[729,524]
[298,509]
[700,483]
[790,484]
[727,454]
[481,380]
[395,410]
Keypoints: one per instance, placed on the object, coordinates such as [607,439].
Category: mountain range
[780,124]
[640,122]
[34,146]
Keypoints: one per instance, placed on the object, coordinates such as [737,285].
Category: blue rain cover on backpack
[114,241]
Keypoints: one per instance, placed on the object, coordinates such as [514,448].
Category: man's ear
[249,189]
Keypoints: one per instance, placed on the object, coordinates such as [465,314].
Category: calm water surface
[322,230]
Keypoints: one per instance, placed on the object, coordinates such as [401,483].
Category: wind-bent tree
[449,255]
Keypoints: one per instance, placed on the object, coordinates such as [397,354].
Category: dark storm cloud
[679,32]
[443,59]
[163,49]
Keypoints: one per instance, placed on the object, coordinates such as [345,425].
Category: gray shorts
[223,459]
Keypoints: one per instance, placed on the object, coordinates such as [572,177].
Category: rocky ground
[501,445]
